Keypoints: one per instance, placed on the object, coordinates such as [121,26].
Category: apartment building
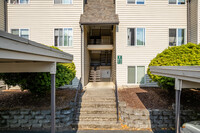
[3,15]
[110,39]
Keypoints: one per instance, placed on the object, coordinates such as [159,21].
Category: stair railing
[117,100]
[75,99]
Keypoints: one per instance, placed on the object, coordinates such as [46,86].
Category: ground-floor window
[21,32]
[176,37]
[136,74]
[63,37]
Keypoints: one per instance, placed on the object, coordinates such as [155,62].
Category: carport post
[53,93]
[178,87]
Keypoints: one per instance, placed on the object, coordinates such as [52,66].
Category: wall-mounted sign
[119,59]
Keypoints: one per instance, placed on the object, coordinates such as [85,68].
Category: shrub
[184,55]
[40,83]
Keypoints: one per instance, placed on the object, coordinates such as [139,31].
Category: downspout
[5,16]
[188,21]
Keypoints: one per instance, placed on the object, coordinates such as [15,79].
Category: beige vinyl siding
[41,17]
[193,30]
[2,17]
[156,16]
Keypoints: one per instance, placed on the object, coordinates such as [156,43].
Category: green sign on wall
[119,59]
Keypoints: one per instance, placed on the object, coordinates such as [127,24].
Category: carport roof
[14,48]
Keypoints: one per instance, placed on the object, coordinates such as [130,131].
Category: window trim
[136,45]
[19,3]
[176,3]
[62,3]
[136,74]
[63,36]
[20,31]
[177,36]
[135,3]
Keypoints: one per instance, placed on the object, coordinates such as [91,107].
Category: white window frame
[62,3]
[135,3]
[63,37]
[144,37]
[177,36]
[20,31]
[19,2]
[176,3]
[136,74]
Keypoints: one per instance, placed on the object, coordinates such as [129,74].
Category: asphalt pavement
[90,131]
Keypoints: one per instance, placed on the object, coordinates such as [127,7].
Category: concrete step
[97,124]
[98,99]
[97,110]
[96,117]
[97,104]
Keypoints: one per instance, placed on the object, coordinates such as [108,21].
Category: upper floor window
[179,2]
[176,37]
[63,37]
[136,36]
[135,1]
[19,1]
[21,32]
[63,1]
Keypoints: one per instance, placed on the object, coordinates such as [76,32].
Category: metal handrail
[117,100]
[78,88]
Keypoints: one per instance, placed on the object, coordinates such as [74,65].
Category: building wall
[86,58]
[2,17]
[156,16]
[198,21]
[42,16]
[193,27]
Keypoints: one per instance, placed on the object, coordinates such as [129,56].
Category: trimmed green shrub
[40,83]
[184,55]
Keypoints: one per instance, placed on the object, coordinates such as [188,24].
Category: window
[19,1]
[63,1]
[63,37]
[136,74]
[136,36]
[176,37]
[24,33]
[135,1]
[179,2]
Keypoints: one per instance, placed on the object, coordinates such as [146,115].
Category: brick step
[96,117]
[97,110]
[97,124]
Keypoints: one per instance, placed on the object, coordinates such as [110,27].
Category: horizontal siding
[156,16]
[42,16]
[2,22]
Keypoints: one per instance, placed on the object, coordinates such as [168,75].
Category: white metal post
[178,87]
[53,96]
[53,108]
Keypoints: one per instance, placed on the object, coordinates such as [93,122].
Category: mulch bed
[156,98]
[27,100]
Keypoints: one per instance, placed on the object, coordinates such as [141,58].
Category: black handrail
[75,100]
[78,88]
[117,100]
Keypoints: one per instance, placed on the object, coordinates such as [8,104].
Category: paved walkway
[90,131]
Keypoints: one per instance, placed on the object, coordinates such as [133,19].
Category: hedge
[184,55]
